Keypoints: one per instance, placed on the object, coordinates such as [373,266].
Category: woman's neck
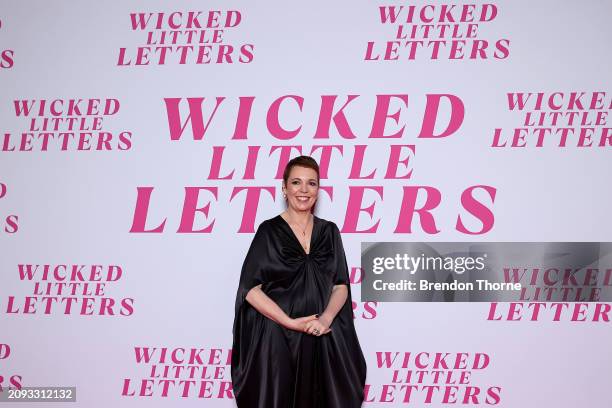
[301,217]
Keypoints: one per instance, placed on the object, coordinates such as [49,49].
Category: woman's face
[302,188]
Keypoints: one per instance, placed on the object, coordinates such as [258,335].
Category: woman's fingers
[312,326]
[312,323]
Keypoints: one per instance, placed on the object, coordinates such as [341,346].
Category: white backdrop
[80,205]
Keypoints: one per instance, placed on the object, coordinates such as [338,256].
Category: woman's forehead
[304,172]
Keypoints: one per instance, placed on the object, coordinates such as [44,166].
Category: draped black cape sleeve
[274,367]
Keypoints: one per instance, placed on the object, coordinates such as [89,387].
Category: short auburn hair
[302,161]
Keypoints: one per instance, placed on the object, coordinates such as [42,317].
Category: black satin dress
[275,367]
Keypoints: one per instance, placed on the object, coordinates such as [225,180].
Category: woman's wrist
[286,322]
[326,319]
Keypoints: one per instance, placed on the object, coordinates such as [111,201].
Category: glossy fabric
[274,367]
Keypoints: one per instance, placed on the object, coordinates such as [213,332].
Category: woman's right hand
[299,324]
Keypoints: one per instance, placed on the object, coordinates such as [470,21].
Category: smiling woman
[295,344]
[300,189]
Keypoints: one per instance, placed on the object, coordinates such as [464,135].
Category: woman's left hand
[318,326]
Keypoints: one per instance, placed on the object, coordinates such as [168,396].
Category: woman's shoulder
[265,223]
[270,222]
[326,223]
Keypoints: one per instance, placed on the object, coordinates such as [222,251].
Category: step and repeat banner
[142,143]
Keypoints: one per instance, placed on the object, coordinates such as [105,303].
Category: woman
[295,344]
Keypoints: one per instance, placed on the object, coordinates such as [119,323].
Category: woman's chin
[303,206]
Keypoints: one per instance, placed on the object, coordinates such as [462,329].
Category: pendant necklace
[304,234]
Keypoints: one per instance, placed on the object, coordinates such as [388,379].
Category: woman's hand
[314,324]
[318,326]
[299,324]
